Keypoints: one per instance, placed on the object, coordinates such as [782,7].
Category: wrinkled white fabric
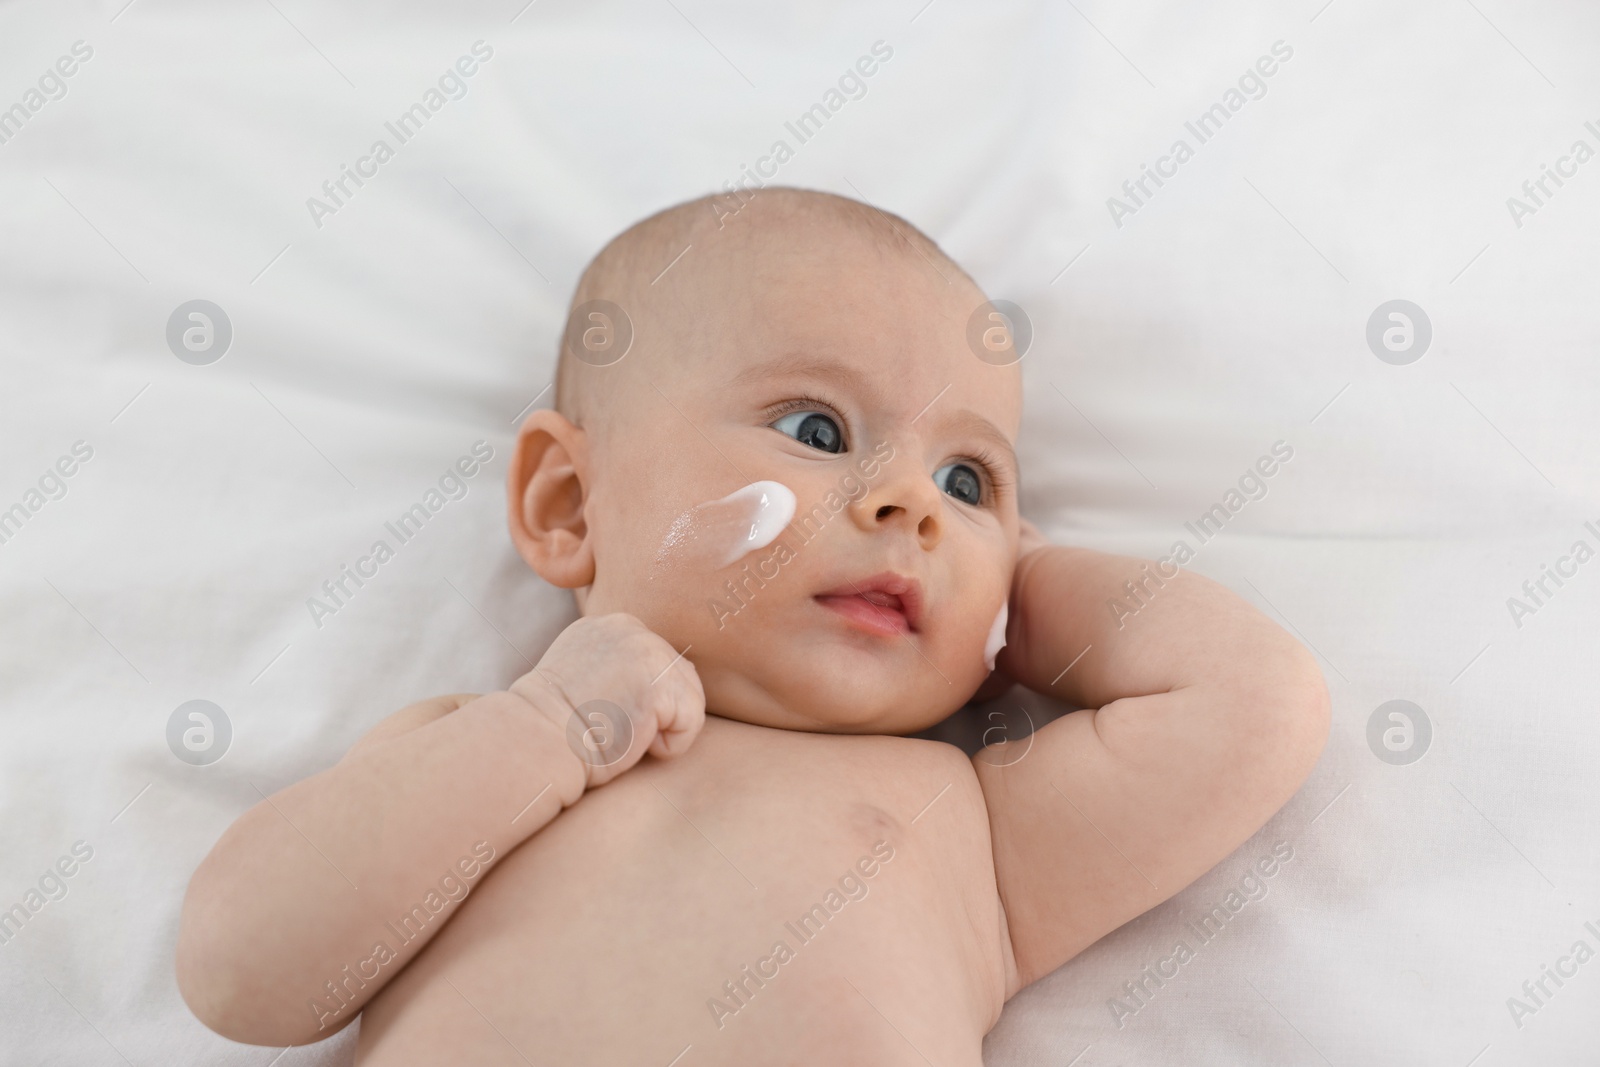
[1227,313]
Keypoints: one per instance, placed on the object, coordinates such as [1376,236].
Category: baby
[782,486]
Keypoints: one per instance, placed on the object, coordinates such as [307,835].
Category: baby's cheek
[997,636]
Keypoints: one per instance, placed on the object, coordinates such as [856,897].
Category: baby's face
[843,372]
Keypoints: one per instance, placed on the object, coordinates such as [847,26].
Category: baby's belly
[766,899]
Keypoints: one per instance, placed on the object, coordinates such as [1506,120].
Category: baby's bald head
[817,343]
[669,273]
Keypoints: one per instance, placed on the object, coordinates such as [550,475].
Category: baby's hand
[617,689]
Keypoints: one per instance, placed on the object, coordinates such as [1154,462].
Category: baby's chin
[826,704]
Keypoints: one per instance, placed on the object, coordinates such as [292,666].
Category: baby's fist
[617,690]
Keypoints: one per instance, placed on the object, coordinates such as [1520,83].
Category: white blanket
[1181,329]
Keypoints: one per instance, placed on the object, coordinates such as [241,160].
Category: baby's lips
[887,591]
[886,605]
[865,615]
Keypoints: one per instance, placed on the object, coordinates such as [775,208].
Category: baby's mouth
[886,604]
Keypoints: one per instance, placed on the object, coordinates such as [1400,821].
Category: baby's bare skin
[604,938]
[616,902]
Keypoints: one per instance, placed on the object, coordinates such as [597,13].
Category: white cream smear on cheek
[997,635]
[720,532]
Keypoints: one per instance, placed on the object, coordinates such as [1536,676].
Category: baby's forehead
[796,280]
[855,325]
[777,236]
[815,275]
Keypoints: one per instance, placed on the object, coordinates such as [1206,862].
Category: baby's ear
[546,486]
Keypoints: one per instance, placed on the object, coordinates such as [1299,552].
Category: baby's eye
[812,428]
[961,482]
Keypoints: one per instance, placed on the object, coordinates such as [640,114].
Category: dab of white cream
[766,508]
[997,635]
[720,532]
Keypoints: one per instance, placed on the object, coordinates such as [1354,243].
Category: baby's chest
[884,837]
[730,905]
[743,853]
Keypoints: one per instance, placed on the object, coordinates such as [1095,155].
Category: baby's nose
[909,502]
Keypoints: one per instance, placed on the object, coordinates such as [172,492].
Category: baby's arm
[301,886]
[1202,717]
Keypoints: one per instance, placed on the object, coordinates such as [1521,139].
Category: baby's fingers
[678,703]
